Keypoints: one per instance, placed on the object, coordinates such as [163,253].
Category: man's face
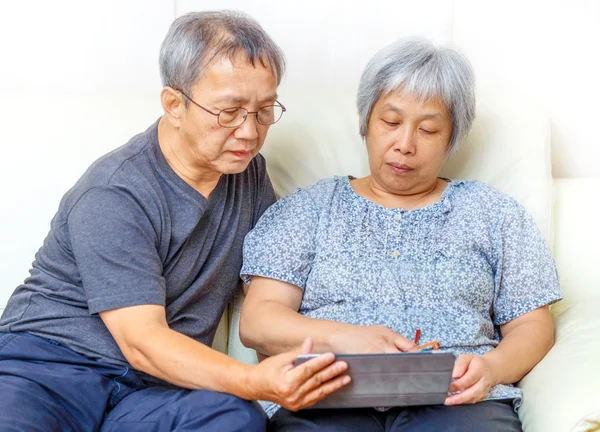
[227,85]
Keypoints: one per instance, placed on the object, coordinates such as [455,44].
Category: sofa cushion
[563,390]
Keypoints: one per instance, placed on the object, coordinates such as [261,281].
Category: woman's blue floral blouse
[456,269]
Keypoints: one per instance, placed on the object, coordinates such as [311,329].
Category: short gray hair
[197,38]
[424,71]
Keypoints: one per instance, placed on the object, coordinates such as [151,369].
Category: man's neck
[202,180]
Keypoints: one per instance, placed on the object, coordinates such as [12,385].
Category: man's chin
[235,167]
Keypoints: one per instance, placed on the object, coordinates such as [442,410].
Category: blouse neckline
[442,204]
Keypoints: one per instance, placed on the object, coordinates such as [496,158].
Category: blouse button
[396,233]
[395,254]
[398,217]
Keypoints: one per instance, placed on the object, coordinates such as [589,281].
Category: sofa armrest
[562,393]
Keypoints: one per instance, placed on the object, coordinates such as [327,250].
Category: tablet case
[389,380]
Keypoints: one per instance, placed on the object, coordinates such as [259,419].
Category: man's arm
[149,345]
[271,324]
[525,341]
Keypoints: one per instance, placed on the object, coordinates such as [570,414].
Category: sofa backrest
[577,236]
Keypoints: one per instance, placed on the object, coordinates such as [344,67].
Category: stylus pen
[435,344]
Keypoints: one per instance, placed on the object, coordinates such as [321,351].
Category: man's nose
[249,129]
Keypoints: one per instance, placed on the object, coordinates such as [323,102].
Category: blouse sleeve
[282,244]
[526,276]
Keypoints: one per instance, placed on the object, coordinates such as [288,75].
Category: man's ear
[172,104]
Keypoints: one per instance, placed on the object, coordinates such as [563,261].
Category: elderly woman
[359,264]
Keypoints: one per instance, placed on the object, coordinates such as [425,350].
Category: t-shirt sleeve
[282,245]
[266,195]
[115,249]
[526,277]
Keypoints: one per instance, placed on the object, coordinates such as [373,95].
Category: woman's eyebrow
[394,108]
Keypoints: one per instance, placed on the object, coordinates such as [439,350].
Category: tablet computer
[388,380]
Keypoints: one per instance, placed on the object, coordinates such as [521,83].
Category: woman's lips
[399,168]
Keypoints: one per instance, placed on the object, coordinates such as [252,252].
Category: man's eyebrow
[234,100]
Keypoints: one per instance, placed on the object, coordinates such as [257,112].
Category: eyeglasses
[234,117]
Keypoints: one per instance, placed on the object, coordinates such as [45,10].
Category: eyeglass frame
[238,108]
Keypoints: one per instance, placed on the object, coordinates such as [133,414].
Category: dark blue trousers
[489,416]
[47,387]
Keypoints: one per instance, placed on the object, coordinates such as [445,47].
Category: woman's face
[407,142]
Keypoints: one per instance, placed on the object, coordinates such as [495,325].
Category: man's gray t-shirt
[132,232]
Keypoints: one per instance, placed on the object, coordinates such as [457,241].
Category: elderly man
[112,329]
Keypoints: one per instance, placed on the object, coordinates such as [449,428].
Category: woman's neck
[415,198]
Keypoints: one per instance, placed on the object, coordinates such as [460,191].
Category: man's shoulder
[119,160]
[126,168]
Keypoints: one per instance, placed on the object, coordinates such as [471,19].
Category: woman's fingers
[404,344]
[461,365]
[473,394]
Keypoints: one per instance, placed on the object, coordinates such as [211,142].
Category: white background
[80,78]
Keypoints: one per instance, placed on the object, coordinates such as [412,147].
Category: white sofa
[55,123]
[509,148]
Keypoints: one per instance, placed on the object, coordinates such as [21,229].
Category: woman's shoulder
[317,193]
[478,195]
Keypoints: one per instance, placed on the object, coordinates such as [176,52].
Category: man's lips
[399,168]
[242,154]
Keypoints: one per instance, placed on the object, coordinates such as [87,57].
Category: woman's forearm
[272,328]
[522,347]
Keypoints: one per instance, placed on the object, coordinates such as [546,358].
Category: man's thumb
[306,346]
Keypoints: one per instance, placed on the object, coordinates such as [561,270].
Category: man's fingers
[306,370]
[325,390]
[288,358]
[306,346]
[323,376]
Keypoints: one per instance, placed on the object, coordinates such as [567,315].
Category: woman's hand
[375,339]
[474,379]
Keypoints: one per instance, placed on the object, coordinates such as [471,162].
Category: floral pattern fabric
[456,269]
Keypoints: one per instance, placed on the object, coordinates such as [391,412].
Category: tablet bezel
[389,380]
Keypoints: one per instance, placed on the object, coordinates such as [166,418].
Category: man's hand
[373,339]
[277,380]
[474,379]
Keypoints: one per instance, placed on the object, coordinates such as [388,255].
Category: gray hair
[197,38]
[424,71]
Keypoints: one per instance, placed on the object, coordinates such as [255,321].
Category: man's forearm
[520,350]
[180,360]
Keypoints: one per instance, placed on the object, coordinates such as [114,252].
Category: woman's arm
[271,324]
[525,341]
